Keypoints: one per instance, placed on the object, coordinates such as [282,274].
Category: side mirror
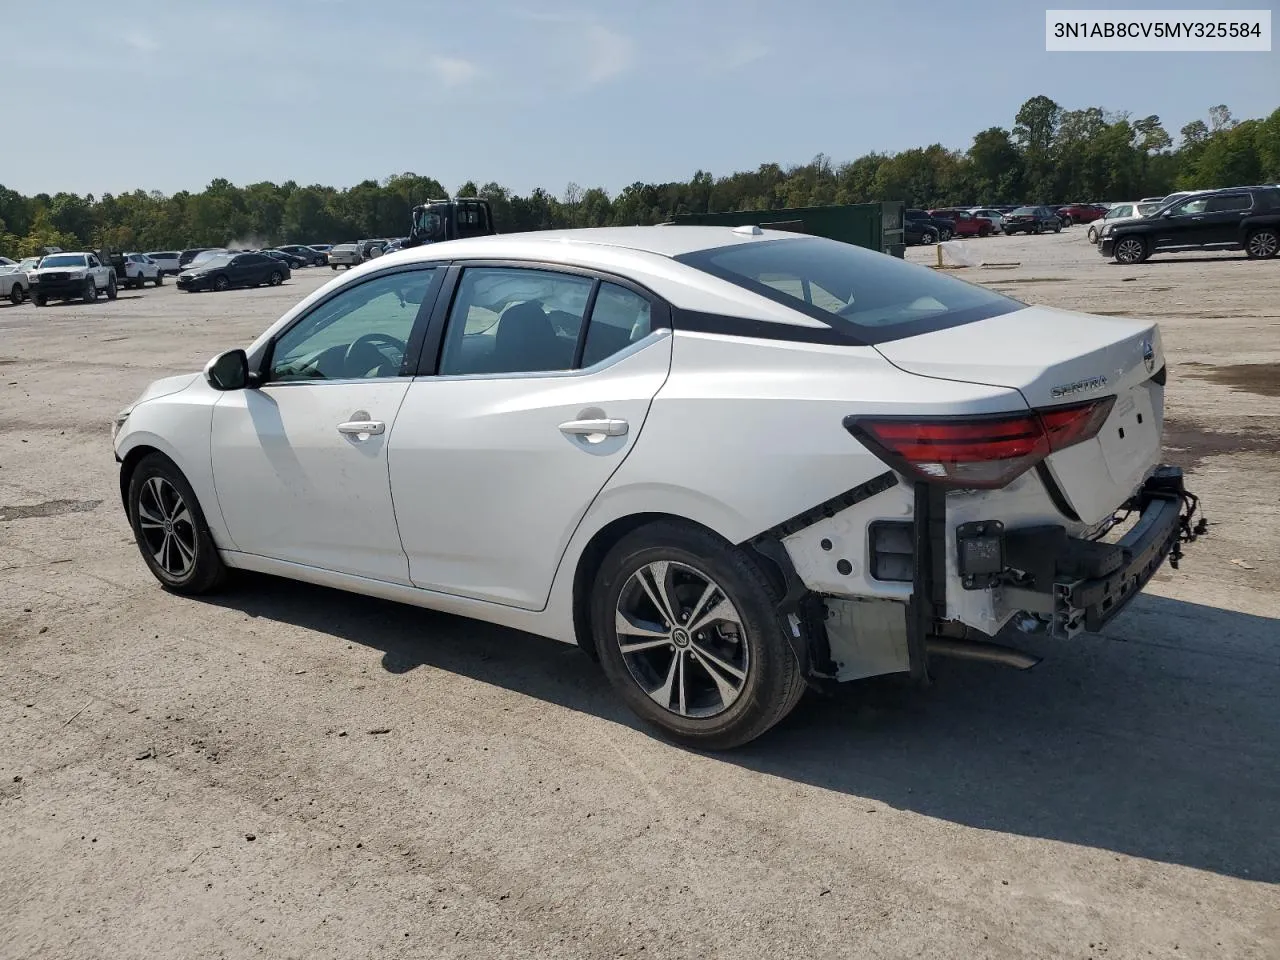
[1167,214]
[228,371]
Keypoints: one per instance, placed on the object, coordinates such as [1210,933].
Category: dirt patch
[50,508]
[1194,443]
[1260,378]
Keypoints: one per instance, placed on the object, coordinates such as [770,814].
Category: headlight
[1106,229]
[77,275]
[118,423]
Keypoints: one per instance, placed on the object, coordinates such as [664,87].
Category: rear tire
[276,278]
[712,688]
[160,279]
[1057,228]
[170,529]
[1262,244]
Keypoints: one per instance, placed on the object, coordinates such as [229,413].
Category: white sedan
[729,463]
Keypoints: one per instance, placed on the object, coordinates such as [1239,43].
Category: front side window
[360,334]
[864,294]
[513,320]
[1189,207]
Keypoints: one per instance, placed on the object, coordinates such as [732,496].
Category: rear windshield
[345,246]
[868,295]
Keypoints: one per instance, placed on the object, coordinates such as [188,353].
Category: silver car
[345,255]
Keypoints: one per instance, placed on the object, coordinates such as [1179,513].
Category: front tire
[17,294]
[220,284]
[688,635]
[1130,250]
[1262,244]
[111,289]
[170,529]
[1093,235]
[90,292]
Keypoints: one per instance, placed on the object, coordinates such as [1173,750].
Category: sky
[168,96]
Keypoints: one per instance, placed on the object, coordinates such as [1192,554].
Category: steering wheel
[363,354]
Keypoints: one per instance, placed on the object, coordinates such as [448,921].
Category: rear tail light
[985,452]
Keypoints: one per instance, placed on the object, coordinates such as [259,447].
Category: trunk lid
[1056,357]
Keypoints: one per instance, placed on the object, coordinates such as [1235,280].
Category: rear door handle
[586,428]
[357,428]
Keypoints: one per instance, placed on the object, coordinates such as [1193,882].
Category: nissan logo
[1149,355]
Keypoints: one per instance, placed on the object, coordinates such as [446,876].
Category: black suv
[918,218]
[1235,218]
[1031,220]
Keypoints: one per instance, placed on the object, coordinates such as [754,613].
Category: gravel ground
[287,771]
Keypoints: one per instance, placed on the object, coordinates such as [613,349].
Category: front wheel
[40,299]
[90,291]
[17,294]
[170,528]
[688,634]
[1093,235]
[221,283]
[1131,250]
[1262,244]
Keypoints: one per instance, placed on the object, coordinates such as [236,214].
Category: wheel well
[604,540]
[128,465]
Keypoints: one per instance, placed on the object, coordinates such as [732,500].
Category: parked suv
[1032,220]
[167,260]
[138,269]
[1236,218]
[946,228]
[71,276]
[967,225]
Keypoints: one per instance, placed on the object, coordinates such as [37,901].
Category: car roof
[664,241]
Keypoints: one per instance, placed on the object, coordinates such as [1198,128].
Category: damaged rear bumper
[1069,584]
[1038,575]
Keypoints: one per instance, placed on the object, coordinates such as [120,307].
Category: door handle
[355,428]
[586,428]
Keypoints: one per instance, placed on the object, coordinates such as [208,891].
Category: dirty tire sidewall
[208,572]
[774,683]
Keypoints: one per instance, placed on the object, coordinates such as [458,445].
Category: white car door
[300,460]
[497,456]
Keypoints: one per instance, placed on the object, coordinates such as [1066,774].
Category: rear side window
[618,319]
[866,295]
[1229,202]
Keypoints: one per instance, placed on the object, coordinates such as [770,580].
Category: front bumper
[1106,245]
[194,283]
[1071,585]
[58,289]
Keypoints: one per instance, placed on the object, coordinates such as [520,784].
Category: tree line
[1048,155]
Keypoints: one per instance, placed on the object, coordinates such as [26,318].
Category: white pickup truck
[71,276]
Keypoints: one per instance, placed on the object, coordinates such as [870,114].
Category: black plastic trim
[1059,499]
[873,555]
[829,508]
[929,588]
[724,325]
[1161,376]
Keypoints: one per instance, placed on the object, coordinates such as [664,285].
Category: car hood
[164,387]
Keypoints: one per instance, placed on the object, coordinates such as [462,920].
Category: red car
[967,225]
[1081,213]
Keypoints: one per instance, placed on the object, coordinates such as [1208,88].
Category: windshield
[869,295]
[428,225]
[343,247]
[213,260]
[63,260]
